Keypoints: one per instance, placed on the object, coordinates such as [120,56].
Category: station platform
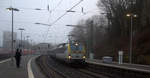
[134,67]
[28,68]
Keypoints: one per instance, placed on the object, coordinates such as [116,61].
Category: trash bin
[107,59]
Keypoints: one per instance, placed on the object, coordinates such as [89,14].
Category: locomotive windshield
[76,47]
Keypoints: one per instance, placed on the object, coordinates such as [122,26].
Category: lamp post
[21,30]
[12,29]
[131,35]
[28,42]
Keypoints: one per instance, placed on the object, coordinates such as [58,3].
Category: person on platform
[18,57]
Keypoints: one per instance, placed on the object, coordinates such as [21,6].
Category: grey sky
[27,16]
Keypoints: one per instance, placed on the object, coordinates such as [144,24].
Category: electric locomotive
[72,52]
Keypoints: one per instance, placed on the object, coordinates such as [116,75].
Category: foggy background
[27,16]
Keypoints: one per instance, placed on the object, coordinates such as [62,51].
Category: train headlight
[69,57]
[84,57]
[76,44]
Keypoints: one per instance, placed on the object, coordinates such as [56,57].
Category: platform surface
[135,67]
[28,68]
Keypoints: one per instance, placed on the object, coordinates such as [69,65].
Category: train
[72,52]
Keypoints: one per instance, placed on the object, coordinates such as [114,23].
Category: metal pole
[28,43]
[21,31]
[12,35]
[25,42]
[21,38]
[131,38]
[91,41]
[31,45]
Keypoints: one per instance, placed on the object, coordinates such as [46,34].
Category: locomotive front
[76,52]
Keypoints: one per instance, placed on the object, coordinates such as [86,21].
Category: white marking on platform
[5,60]
[30,73]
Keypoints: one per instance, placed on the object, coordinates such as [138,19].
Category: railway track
[116,72]
[95,75]
[47,70]
[91,71]
[4,56]
[53,69]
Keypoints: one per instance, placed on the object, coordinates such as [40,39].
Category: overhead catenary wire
[61,17]
[59,3]
[49,18]
[66,12]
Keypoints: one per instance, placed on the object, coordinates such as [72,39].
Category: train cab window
[76,47]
